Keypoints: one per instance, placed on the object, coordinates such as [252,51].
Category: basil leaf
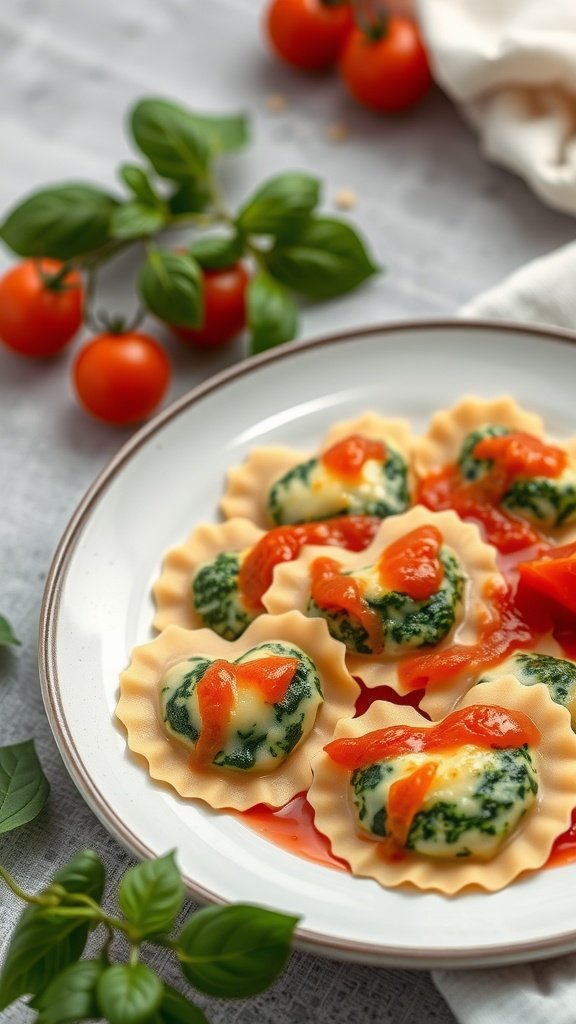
[272,314]
[280,206]
[176,1009]
[61,222]
[326,258]
[171,287]
[71,996]
[216,252]
[44,942]
[176,146]
[137,180]
[24,788]
[83,874]
[235,951]
[7,635]
[190,197]
[128,993]
[224,134]
[151,894]
[136,220]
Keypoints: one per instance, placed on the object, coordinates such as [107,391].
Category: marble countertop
[443,222]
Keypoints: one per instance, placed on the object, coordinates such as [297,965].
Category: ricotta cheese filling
[475,800]
[257,734]
[310,491]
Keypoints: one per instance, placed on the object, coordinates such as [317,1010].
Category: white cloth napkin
[544,992]
[511,67]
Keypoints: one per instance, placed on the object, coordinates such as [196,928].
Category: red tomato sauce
[292,828]
[508,630]
[564,848]
[347,458]
[284,544]
[217,693]
[411,564]
[482,725]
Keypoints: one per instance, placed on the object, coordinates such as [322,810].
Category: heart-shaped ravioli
[236,723]
[245,715]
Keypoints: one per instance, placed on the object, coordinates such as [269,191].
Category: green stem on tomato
[371,17]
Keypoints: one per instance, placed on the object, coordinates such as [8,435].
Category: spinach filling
[217,599]
[557,674]
[495,791]
[307,492]
[472,468]
[260,735]
[407,624]
[548,501]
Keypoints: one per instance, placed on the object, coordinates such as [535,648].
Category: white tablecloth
[446,225]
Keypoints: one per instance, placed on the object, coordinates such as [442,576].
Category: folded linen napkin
[544,992]
[511,67]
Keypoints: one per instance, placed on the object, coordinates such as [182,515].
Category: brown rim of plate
[367,952]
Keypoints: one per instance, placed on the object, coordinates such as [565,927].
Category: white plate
[97,607]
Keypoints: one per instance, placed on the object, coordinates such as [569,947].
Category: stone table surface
[444,223]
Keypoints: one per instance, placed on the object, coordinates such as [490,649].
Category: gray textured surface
[445,224]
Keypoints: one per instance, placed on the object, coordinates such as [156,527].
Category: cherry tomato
[224,308]
[37,319]
[387,73]
[121,378]
[308,33]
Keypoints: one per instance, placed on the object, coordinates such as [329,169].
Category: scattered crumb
[337,132]
[275,103]
[345,199]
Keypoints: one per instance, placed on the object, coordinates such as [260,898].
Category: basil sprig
[293,250]
[235,951]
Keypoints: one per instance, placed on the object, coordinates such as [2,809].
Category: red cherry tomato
[388,73]
[308,33]
[224,308]
[121,378]
[38,319]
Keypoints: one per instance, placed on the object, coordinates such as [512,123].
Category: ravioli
[402,622]
[377,644]
[274,691]
[362,467]
[469,816]
[259,749]
[286,610]
[491,461]
[546,500]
